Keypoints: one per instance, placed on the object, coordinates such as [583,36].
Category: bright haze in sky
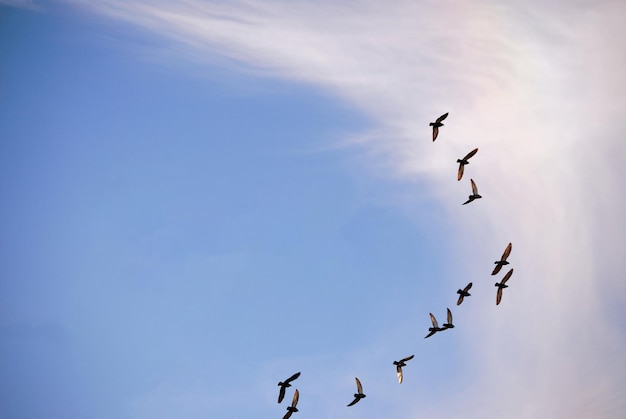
[201,198]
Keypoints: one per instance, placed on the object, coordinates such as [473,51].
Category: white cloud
[538,87]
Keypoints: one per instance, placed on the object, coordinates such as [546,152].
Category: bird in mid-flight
[501,285]
[474,194]
[463,293]
[400,364]
[438,124]
[502,261]
[462,162]
[292,408]
[359,394]
[449,324]
[284,385]
[435,328]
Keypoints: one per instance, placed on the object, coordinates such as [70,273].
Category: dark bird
[449,324]
[400,364]
[435,328]
[502,285]
[438,124]
[283,386]
[359,394]
[462,162]
[474,194]
[292,408]
[502,261]
[463,293]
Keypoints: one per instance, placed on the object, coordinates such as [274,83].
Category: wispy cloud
[22,4]
[538,87]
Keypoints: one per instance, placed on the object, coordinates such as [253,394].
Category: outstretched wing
[408,358]
[399,373]
[442,117]
[507,276]
[474,187]
[496,269]
[470,154]
[507,252]
[467,288]
[281,394]
[459,174]
[460,300]
[353,402]
[435,132]
[499,296]
[293,377]
[359,388]
[296,396]
[449,317]
[434,321]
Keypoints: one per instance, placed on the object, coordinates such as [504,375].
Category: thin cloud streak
[538,89]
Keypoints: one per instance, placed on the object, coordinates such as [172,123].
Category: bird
[435,328]
[502,285]
[400,364]
[449,324]
[292,408]
[359,394]
[463,293]
[462,162]
[474,194]
[438,124]
[502,261]
[284,385]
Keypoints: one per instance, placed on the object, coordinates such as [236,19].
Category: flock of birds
[463,293]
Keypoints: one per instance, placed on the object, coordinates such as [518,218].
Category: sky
[201,198]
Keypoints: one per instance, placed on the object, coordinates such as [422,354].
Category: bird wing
[281,394]
[470,154]
[496,269]
[433,320]
[459,174]
[507,276]
[442,117]
[399,373]
[296,396]
[359,388]
[468,201]
[288,414]
[467,288]
[449,317]
[408,358]
[460,300]
[507,251]
[474,187]
[430,334]
[356,399]
[293,377]
[499,296]
[435,132]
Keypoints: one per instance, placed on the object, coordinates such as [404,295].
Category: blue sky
[201,198]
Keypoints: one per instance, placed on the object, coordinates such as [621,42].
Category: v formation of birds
[463,293]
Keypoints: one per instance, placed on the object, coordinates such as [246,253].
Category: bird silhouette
[449,324]
[438,124]
[435,328]
[291,409]
[284,385]
[463,293]
[462,162]
[359,394]
[399,365]
[501,285]
[502,261]
[474,194]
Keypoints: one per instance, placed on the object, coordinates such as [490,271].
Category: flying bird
[449,324]
[502,285]
[359,394]
[474,194]
[463,293]
[435,328]
[284,385]
[292,408]
[462,162]
[400,364]
[502,261]
[438,124]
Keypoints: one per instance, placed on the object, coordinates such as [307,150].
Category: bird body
[437,124]
[399,365]
[359,394]
[502,284]
[448,324]
[462,162]
[502,261]
[284,385]
[474,194]
[435,328]
[463,293]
